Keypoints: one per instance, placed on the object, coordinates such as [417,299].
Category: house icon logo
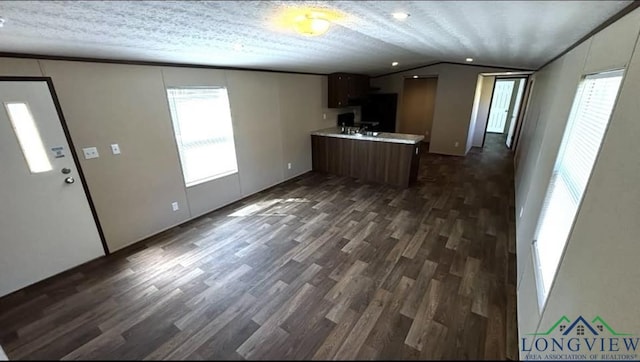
[580,326]
[580,339]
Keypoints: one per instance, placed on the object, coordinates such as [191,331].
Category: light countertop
[381,137]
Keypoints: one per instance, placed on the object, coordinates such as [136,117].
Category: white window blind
[204,133]
[581,142]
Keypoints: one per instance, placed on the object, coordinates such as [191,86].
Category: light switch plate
[115,148]
[90,152]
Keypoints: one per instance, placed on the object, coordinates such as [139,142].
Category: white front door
[500,106]
[46,223]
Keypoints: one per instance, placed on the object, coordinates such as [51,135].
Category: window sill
[209,179]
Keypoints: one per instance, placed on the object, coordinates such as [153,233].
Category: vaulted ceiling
[366,38]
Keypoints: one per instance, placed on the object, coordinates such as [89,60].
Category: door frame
[74,155]
[514,77]
[524,107]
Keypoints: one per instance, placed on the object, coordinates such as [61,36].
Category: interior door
[46,223]
[515,112]
[418,104]
[526,98]
[500,106]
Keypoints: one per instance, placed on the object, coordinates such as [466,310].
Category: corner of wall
[15,67]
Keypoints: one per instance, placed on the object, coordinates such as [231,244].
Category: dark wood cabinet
[374,161]
[347,89]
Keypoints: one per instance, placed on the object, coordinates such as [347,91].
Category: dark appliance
[381,109]
[346,119]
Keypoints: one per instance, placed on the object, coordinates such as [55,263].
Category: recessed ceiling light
[238,46]
[400,16]
[415,76]
[469,59]
[394,64]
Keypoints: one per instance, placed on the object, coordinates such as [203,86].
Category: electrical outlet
[456,144]
[324,116]
[289,166]
[115,149]
[90,152]
[174,206]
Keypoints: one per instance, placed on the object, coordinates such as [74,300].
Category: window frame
[178,138]
[37,159]
[542,292]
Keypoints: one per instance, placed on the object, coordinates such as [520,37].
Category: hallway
[320,267]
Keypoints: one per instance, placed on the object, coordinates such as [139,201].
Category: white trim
[537,274]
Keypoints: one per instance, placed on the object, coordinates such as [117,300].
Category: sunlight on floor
[3,357]
[262,205]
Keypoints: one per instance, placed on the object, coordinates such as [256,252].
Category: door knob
[69,180]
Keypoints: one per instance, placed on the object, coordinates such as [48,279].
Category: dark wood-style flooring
[320,267]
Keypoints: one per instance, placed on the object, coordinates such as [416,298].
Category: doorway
[418,104]
[48,224]
[505,108]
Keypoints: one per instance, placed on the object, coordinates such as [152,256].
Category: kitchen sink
[358,132]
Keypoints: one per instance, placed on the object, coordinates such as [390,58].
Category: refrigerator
[379,111]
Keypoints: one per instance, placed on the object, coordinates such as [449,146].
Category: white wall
[205,196]
[454,102]
[598,272]
[273,115]
[483,110]
[124,104]
[474,113]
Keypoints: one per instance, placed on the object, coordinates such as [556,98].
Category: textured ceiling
[520,34]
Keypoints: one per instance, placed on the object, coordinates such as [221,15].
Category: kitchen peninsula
[390,158]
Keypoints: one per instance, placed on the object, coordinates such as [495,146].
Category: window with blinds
[204,133]
[581,142]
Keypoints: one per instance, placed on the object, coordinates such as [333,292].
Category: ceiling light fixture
[469,60]
[308,21]
[311,24]
[415,77]
[400,16]
[394,64]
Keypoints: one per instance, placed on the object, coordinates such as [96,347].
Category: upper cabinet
[346,89]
